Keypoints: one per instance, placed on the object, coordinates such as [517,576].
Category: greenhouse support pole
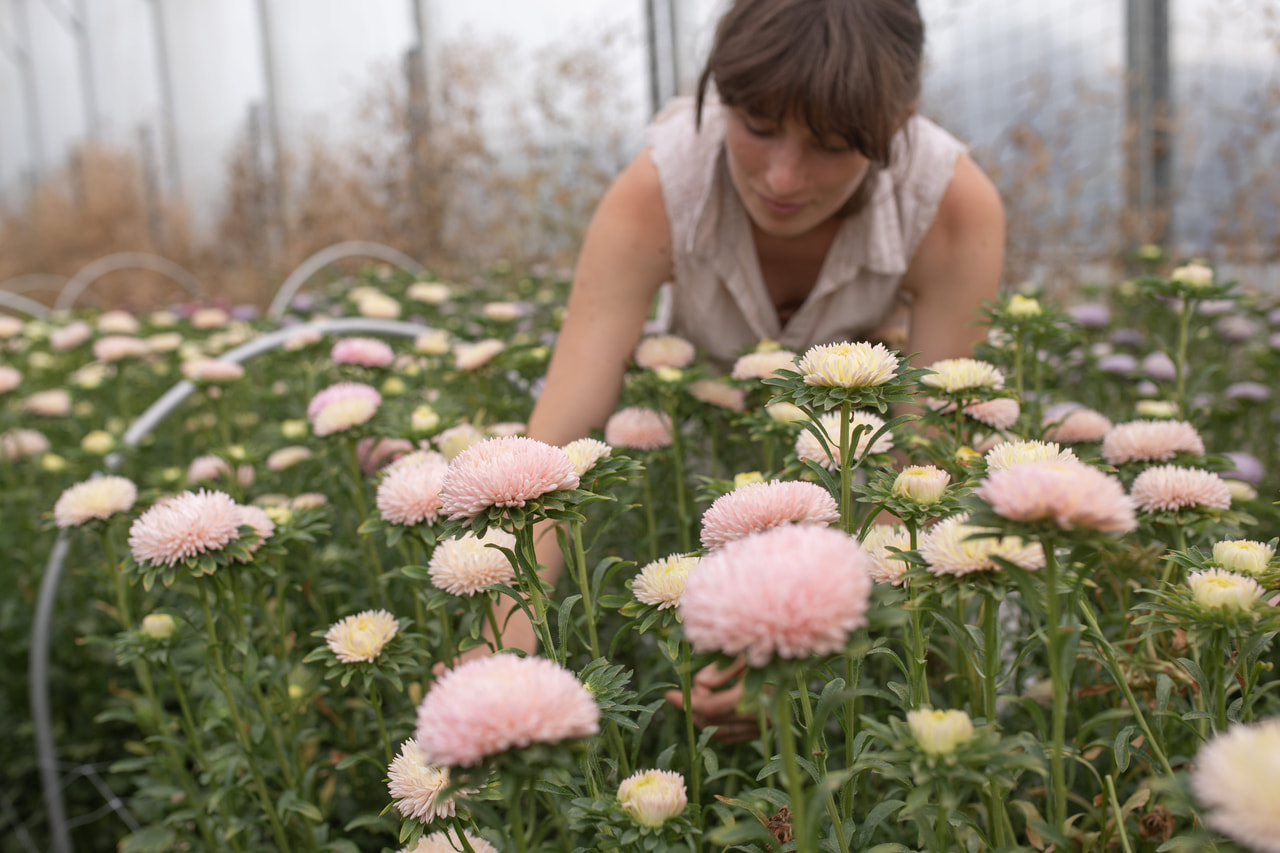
[22,55]
[1150,118]
[164,80]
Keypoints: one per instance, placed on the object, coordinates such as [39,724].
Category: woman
[802,202]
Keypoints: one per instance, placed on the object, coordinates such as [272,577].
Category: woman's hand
[714,701]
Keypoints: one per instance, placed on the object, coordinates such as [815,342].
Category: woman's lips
[779,208]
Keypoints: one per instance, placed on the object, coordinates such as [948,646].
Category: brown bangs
[850,69]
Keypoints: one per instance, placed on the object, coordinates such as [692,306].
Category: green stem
[991,664]
[461,830]
[193,733]
[373,566]
[919,652]
[493,621]
[584,583]
[651,522]
[1053,631]
[517,820]
[528,570]
[1180,365]
[375,700]
[1115,806]
[677,459]
[795,782]
[691,734]
[117,574]
[1220,679]
[846,469]
[264,799]
[853,674]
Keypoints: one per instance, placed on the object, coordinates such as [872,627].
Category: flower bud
[922,484]
[158,626]
[742,479]
[1243,556]
[293,429]
[939,732]
[652,797]
[1240,490]
[1156,409]
[393,387]
[424,419]
[785,413]
[670,375]
[1023,306]
[99,443]
[53,463]
[1193,275]
[295,692]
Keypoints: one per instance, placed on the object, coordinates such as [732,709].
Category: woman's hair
[848,68]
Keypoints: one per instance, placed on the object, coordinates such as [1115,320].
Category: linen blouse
[718,299]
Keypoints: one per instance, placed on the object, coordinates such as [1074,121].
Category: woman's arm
[625,258]
[957,266]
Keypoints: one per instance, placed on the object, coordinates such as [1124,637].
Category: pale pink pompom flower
[664,351]
[790,592]
[54,403]
[287,457]
[376,453]
[70,336]
[447,841]
[466,564]
[364,352]
[1235,778]
[208,467]
[759,506]
[119,347]
[1078,426]
[1000,413]
[187,525]
[492,704]
[716,392]
[212,371]
[761,365]
[418,787]
[10,378]
[1150,441]
[20,443]
[340,392]
[1170,487]
[504,472]
[99,498]
[470,356]
[638,428]
[410,493]
[1069,493]
[342,406]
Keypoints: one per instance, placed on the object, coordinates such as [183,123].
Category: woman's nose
[785,172]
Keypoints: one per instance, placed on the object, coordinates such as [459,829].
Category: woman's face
[789,181]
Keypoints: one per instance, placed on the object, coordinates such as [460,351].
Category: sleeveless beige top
[718,298]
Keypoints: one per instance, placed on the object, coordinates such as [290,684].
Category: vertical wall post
[275,172]
[22,56]
[164,81]
[1150,117]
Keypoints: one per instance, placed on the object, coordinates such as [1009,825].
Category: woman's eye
[759,128]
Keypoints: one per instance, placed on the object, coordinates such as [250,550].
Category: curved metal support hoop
[336,252]
[21,303]
[34,281]
[124,261]
[46,750]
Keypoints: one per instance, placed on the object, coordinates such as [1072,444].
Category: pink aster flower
[213,371]
[447,841]
[54,403]
[118,348]
[760,506]
[1065,491]
[99,498]
[664,351]
[1235,777]
[716,392]
[638,428]
[1169,487]
[342,391]
[470,356]
[466,564]
[1000,413]
[492,704]
[1077,426]
[376,453]
[70,336]
[418,787]
[504,472]
[20,443]
[10,378]
[185,526]
[118,322]
[365,352]
[208,467]
[791,592]
[456,439]
[341,407]
[287,457]
[410,493]
[1150,441]
[257,518]
[761,365]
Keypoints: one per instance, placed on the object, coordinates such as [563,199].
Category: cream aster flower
[940,732]
[1228,592]
[661,583]
[99,498]
[158,626]
[922,484]
[808,446]
[1169,487]
[1006,454]
[1156,409]
[780,411]
[1240,490]
[164,342]
[118,348]
[1067,492]
[762,365]
[446,841]
[504,472]
[1023,306]
[98,442]
[363,352]
[502,312]
[342,415]
[848,365]
[212,370]
[1193,275]
[54,403]
[585,453]
[416,786]
[469,356]
[432,343]
[885,567]
[287,457]
[1243,555]
[455,439]
[378,306]
[652,797]
[1235,778]
[429,292]
[466,564]
[10,326]
[760,506]
[361,638]
[117,322]
[210,318]
[963,374]
[207,467]
[664,351]
[185,526]
[20,443]
[1150,441]
[716,392]
[949,550]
